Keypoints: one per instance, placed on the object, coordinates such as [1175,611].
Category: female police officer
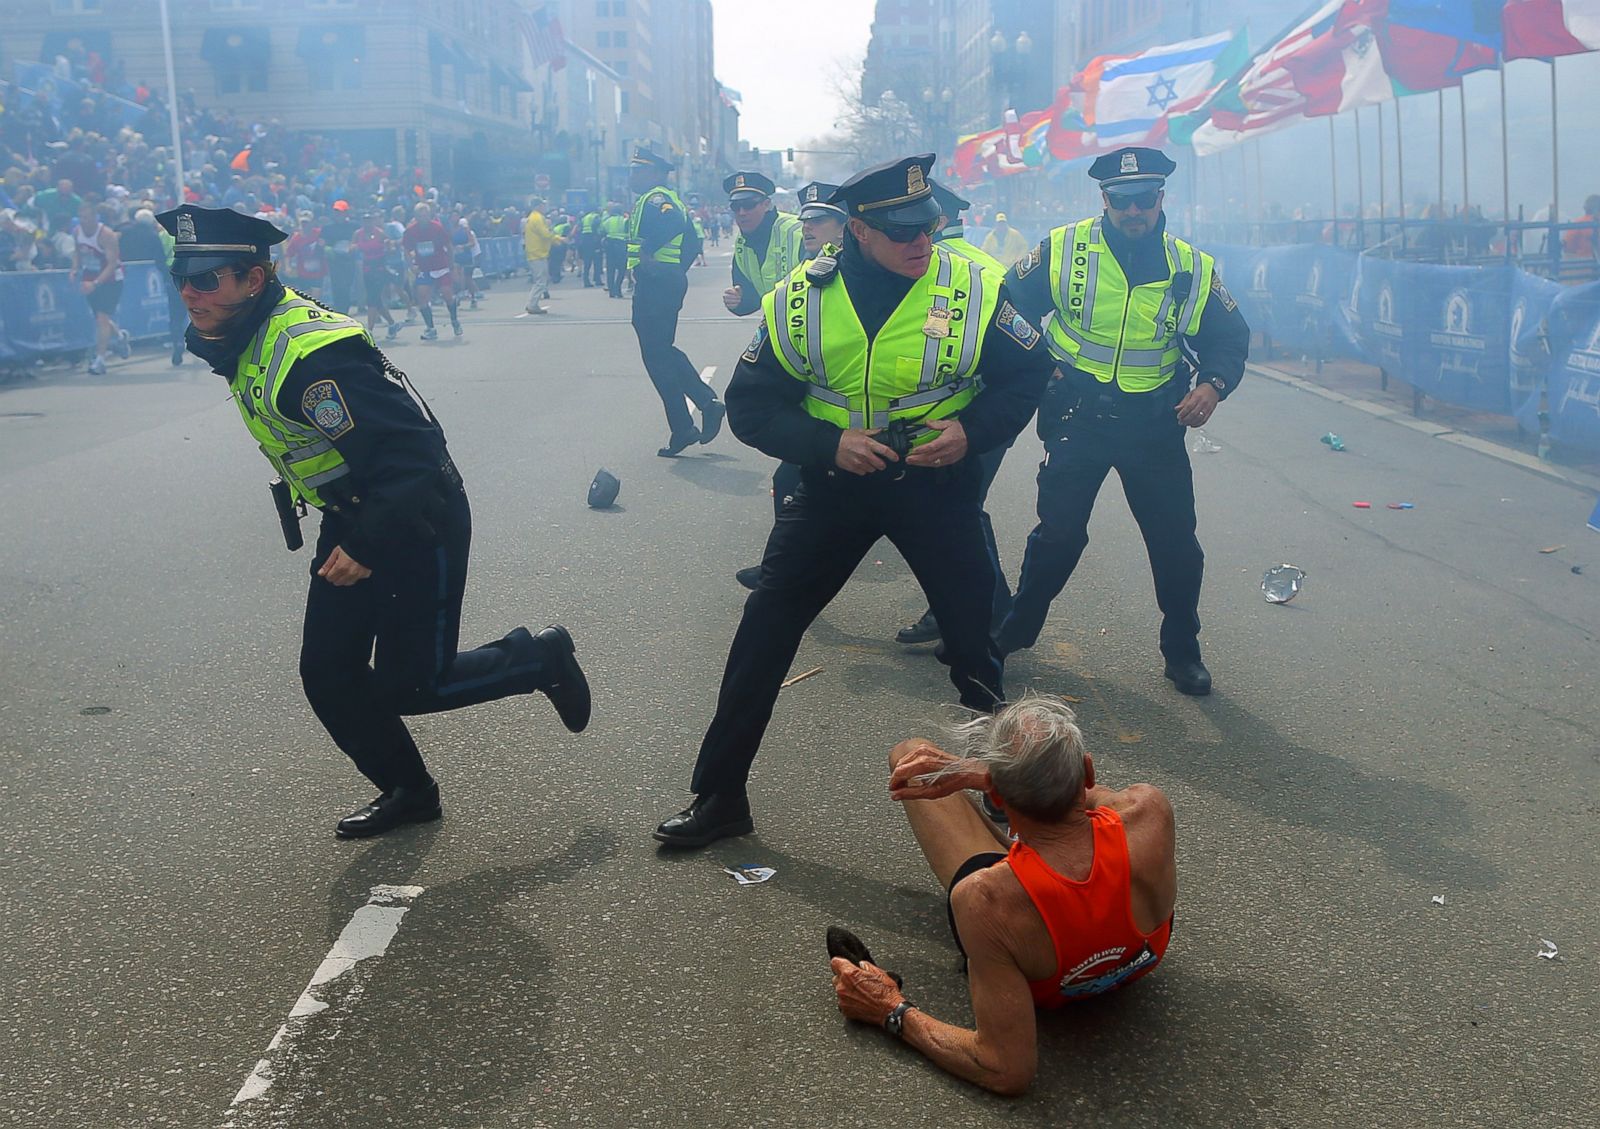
[349,435]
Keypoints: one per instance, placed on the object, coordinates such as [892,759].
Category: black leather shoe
[1190,677]
[394,808]
[569,691]
[925,630]
[679,442]
[711,420]
[749,577]
[712,816]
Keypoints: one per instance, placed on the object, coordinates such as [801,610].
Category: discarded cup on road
[1333,442]
[1401,506]
[604,489]
[1281,583]
[1202,444]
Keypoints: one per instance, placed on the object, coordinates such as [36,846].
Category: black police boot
[678,442]
[569,691]
[712,816]
[711,420]
[1190,677]
[925,630]
[395,808]
[749,577]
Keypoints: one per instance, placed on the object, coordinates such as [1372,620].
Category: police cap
[207,238]
[893,192]
[814,203]
[1132,169]
[748,184]
[649,158]
[950,205]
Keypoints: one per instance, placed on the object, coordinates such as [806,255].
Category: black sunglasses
[747,205]
[907,232]
[1123,201]
[206,282]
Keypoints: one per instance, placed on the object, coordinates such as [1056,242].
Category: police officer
[768,246]
[952,237]
[821,225]
[349,435]
[1130,302]
[589,247]
[614,247]
[657,231]
[895,344]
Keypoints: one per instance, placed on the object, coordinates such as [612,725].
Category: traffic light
[791,154]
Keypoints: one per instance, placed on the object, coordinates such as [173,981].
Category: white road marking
[365,938]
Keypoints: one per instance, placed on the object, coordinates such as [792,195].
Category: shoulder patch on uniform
[1025,265]
[753,350]
[1011,322]
[323,405]
[1222,294]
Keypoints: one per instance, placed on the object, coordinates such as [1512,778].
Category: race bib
[424,247]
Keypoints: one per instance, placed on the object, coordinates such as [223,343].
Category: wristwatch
[1219,384]
[895,1021]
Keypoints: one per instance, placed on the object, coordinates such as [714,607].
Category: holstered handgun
[289,513]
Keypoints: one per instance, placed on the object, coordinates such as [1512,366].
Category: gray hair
[1034,751]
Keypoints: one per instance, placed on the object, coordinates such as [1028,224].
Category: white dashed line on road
[328,1000]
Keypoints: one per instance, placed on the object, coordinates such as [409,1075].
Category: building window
[246,80]
[619,39]
[602,39]
[336,76]
[602,9]
[620,68]
[624,101]
[437,74]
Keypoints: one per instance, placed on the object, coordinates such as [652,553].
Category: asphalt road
[1421,722]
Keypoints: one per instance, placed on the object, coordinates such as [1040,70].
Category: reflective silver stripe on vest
[1086,348]
[318,481]
[309,451]
[1172,267]
[835,400]
[1196,292]
[786,346]
[819,367]
[1143,358]
[971,333]
[930,345]
[934,395]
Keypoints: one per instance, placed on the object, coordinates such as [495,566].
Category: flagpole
[1361,188]
[1555,154]
[1399,168]
[1466,198]
[1441,152]
[172,105]
[1333,162]
[1505,156]
[1261,196]
[1383,197]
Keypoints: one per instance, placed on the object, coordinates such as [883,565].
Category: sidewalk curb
[1498,451]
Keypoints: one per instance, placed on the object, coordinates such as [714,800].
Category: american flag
[547,43]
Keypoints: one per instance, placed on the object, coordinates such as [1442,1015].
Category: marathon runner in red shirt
[427,245]
[307,258]
[372,246]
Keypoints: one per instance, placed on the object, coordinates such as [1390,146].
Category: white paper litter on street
[746,875]
[1438,899]
[1549,951]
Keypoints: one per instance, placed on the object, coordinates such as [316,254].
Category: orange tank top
[1098,947]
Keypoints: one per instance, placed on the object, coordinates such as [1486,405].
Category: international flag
[1129,99]
[547,43]
[1543,29]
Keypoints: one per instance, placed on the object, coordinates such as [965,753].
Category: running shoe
[430,334]
[121,345]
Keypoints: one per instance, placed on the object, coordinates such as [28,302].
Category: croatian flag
[1128,99]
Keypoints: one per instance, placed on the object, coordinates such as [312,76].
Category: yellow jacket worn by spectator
[1006,242]
[537,238]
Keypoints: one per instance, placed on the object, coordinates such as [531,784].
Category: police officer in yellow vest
[769,245]
[1130,303]
[883,372]
[657,231]
[952,237]
[347,433]
[614,247]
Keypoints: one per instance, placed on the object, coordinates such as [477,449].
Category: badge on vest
[323,405]
[938,324]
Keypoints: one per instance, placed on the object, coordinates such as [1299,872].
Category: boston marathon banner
[1295,294]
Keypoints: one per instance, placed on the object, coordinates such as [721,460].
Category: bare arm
[113,249]
[1000,1052]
